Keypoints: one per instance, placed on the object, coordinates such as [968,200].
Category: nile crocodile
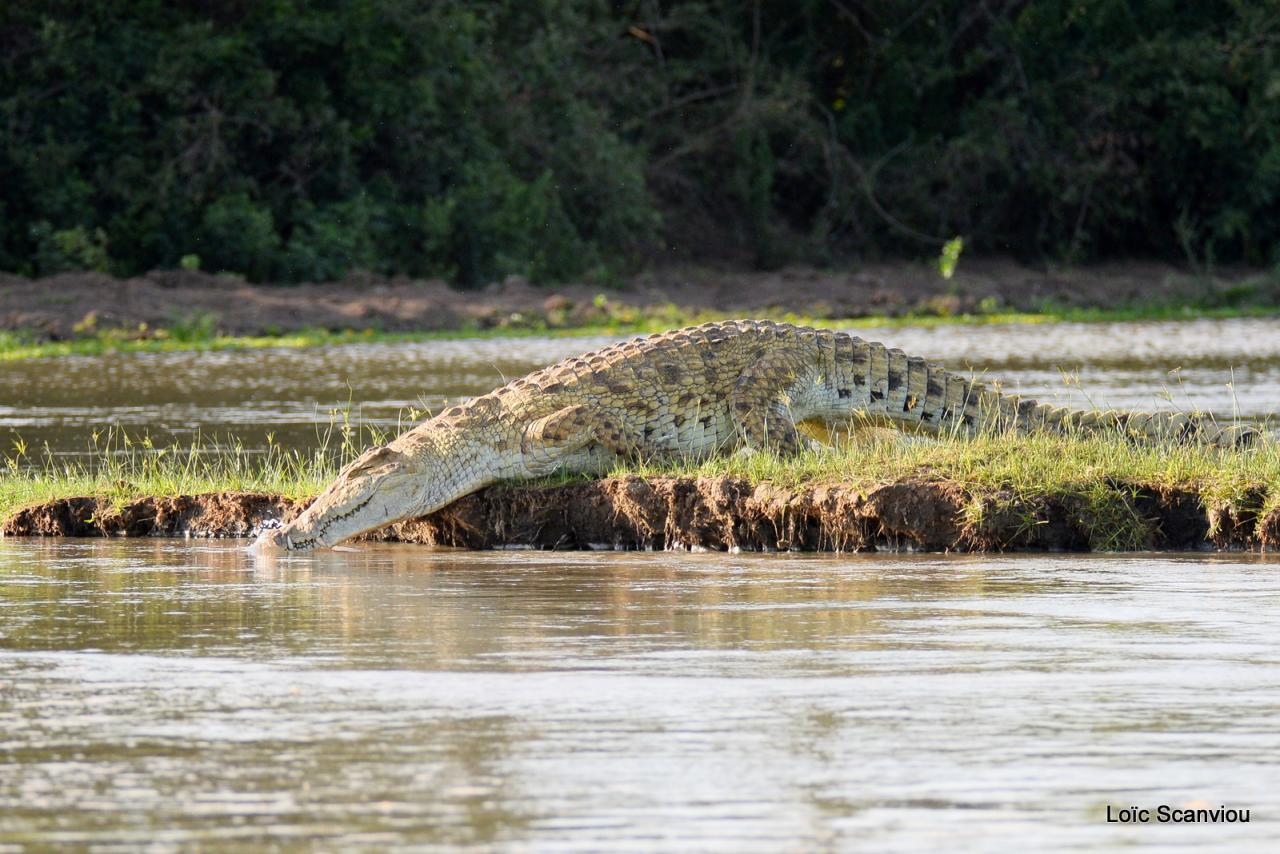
[687,394]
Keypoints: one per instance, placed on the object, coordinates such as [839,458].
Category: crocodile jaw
[382,486]
[324,529]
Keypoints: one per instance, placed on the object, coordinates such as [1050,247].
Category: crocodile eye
[373,459]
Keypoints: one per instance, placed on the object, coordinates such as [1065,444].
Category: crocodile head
[381,486]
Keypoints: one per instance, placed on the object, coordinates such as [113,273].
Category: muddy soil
[706,513]
[71,304]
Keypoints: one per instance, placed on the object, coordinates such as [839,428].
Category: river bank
[657,513]
[85,313]
[988,494]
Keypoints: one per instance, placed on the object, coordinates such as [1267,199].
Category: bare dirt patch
[63,306]
[707,513]
[213,514]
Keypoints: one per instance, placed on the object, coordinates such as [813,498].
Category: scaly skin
[688,394]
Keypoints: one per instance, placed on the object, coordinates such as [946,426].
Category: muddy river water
[179,695]
[174,693]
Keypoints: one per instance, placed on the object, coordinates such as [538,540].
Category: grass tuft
[121,467]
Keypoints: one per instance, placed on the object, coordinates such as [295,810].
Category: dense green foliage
[288,141]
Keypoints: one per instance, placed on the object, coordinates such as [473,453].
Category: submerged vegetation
[1004,477]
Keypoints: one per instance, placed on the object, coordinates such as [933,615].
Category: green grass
[1096,473]
[122,468]
[16,346]
[1031,465]
[624,320]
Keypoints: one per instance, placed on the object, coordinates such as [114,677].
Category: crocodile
[687,394]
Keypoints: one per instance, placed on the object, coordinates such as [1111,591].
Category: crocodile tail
[1160,427]
[953,404]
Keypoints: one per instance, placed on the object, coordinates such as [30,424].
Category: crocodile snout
[273,539]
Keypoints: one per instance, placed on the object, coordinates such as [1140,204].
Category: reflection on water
[174,693]
[1223,366]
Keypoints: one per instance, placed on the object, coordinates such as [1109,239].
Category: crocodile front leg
[760,405]
[576,438]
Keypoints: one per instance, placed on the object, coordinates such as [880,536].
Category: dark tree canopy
[296,141]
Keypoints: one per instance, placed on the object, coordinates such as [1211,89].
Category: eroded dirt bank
[716,513]
[72,304]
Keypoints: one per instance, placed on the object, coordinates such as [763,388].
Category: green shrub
[70,249]
[290,141]
[239,235]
